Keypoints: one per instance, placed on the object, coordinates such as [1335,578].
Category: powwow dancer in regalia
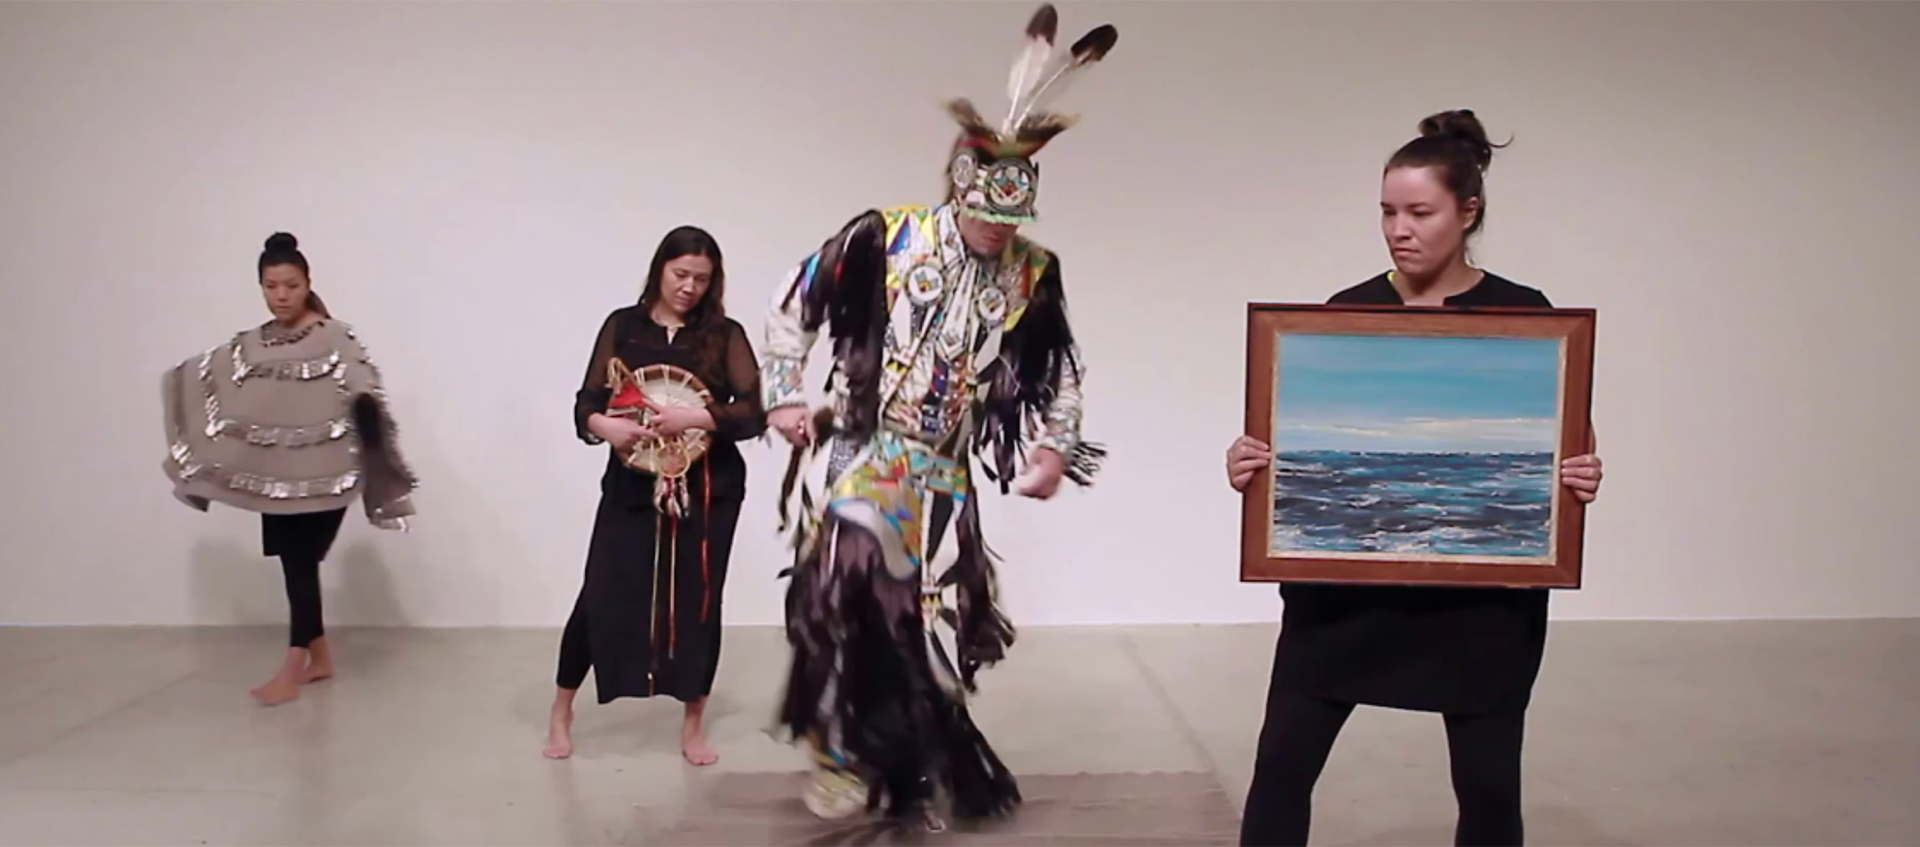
[950,337]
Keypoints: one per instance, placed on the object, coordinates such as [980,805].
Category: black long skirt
[650,604]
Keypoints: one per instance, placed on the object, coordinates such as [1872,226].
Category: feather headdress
[992,176]
[1040,74]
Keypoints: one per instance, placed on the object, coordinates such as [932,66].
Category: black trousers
[1299,734]
[302,542]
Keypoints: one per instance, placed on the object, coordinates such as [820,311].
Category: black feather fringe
[982,633]
[979,783]
[905,736]
[849,292]
[1024,381]
[823,434]
[388,477]
[1085,462]
[369,422]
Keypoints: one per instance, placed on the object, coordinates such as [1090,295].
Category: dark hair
[690,241]
[1455,144]
[283,249]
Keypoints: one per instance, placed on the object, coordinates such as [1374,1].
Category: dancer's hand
[1581,474]
[1247,456]
[622,433]
[793,423]
[669,421]
[1045,468]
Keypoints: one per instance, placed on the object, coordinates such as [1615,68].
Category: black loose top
[719,354]
[1467,650]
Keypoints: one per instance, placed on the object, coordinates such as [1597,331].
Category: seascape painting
[1415,446]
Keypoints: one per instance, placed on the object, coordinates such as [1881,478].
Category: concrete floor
[1642,733]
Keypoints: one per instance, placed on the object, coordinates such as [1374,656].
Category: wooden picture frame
[1416,445]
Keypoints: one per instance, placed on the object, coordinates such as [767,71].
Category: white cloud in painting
[1422,434]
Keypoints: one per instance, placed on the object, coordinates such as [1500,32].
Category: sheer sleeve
[743,416]
[594,391]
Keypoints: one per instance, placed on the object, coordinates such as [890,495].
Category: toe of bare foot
[276,692]
[559,737]
[698,753]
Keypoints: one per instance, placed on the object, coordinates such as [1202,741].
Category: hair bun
[1462,126]
[282,242]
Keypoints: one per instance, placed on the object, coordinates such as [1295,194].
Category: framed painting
[1416,446]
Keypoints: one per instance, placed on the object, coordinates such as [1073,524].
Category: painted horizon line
[1333,452]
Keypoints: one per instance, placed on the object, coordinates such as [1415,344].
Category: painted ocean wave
[1496,504]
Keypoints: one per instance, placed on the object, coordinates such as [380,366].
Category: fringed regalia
[939,355]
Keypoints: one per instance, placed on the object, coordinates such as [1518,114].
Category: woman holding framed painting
[1469,653]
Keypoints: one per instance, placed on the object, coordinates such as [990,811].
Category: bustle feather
[1041,128]
[969,118]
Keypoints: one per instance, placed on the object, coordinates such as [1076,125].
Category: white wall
[1733,186]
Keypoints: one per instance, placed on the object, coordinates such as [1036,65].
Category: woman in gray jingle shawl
[287,419]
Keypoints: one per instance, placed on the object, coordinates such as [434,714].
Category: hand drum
[663,385]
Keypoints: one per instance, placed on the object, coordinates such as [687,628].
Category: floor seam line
[1166,702]
[91,722]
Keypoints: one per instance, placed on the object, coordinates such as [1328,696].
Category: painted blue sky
[1401,394]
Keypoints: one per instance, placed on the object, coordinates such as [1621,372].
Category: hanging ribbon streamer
[653,608]
[673,559]
[666,533]
[706,537]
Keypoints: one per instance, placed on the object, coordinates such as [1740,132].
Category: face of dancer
[1425,224]
[683,282]
[285,288]
[986,238]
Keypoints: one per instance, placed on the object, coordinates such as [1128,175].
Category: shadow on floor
[1107,809]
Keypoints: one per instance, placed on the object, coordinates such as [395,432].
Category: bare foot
[559,734]
[693,736]
[319,660]
[280,689]
[284,687]
[694,746]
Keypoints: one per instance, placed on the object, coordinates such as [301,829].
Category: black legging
[303,597]
[576,657]
[1300,731]
[301,541]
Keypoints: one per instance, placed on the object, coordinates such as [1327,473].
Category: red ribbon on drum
[668,459]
